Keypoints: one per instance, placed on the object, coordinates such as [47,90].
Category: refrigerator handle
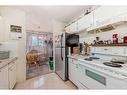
[61,47]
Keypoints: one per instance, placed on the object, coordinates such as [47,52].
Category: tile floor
[48,81]
[41,70]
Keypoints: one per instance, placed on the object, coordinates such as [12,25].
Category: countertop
[7,61]
[99,63]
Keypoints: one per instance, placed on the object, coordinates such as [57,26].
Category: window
[34,41]
[40,42]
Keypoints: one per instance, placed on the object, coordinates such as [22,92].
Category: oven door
[91,78]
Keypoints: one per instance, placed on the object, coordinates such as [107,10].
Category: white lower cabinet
[4,77]
[12,75]
[73,71]
[8,76]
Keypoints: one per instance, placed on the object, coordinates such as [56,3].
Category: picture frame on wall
[15,32]
[15,29]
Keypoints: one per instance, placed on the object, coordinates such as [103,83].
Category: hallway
[47,81]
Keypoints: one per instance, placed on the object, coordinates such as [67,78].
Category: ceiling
[40,17]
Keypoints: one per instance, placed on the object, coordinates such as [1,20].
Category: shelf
[119,44]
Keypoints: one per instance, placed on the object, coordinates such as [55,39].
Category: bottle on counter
[115,38]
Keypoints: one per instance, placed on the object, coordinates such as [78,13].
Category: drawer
[73,60]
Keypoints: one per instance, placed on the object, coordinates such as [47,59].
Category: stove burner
[112,64]
[88,59]
[91,58]
[120,62]
[94,57]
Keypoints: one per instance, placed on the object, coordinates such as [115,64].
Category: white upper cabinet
[73,27]
[1,30]
[105,14]
[101,16]
[67,29]
[85,22]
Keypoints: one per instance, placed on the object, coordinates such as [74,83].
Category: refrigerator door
[61,57]
[60,63]
[64,37]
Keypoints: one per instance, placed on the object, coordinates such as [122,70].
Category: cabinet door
[85,22]
[1,30]
[4,78]
[74,73]
[12,75]
[104,14]
[67,29]
[73,27]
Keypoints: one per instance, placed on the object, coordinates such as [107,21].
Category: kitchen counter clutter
[93,74]
[8,73]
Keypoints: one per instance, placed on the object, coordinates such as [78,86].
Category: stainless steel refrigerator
[61,52]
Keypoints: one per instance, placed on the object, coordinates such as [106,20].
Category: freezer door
[63,38]
[60,63]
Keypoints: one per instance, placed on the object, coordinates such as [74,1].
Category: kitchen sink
[4,55]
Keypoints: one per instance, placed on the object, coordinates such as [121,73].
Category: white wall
[58,27]
[14,16]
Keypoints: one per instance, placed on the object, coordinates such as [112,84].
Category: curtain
[42,42]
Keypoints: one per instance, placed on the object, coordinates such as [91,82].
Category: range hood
[110,24]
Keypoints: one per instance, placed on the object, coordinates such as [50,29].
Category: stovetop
[112,64]
[99,63]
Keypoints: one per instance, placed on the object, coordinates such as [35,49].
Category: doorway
[39,48]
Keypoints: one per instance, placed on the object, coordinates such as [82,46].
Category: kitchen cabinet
[4,77]
[104,14]
[12,74]
[73,27]
[85,22]
[67,29]
[73,71]
[8,75]
[1,30]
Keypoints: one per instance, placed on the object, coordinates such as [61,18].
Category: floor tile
[48,81]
